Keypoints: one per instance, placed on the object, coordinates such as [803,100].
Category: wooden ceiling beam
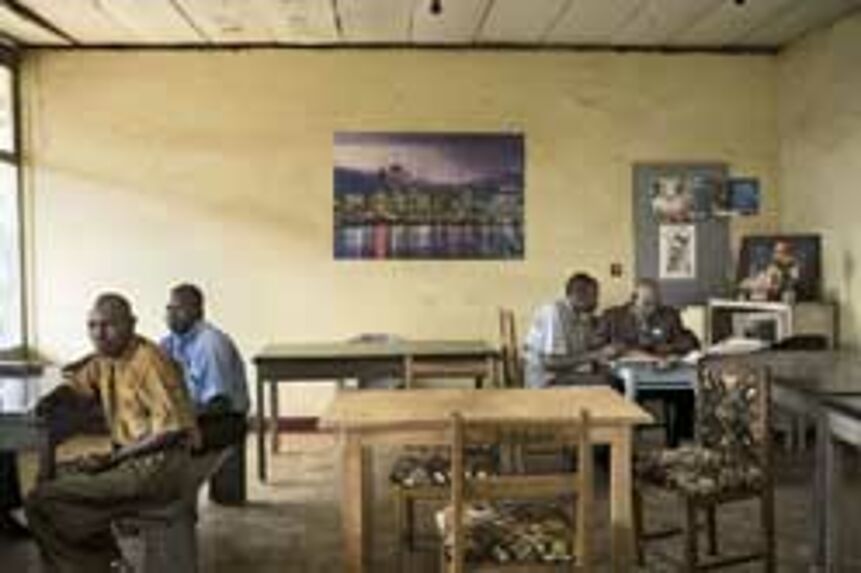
[38,20]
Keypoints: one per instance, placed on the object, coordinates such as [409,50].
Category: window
[11,258]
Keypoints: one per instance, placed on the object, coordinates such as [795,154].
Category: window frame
[10,58]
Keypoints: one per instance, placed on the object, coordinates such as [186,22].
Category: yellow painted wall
[820,156]
[146,169]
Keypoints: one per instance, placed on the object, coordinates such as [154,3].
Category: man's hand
[642,354]
[610,352]
[93,463]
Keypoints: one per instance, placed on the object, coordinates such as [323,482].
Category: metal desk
[649,376]
[824,387]
[838,422]
[327,362]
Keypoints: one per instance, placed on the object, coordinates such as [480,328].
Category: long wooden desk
[422,417]
[327,362]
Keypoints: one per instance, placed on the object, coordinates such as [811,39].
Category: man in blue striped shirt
[215,376]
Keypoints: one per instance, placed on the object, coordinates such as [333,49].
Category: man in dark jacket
[646,327]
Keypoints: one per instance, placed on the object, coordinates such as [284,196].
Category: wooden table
[422,417]
[23,430]
[327,362]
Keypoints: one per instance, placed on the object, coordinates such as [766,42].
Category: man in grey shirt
[562,346]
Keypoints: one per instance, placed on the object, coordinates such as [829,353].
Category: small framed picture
[743,195]
[738,196]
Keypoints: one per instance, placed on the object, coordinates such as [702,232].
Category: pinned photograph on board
[682,198]
[738,196]
[677,252]
[744,195]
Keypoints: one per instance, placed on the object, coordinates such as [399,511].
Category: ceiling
[681,24]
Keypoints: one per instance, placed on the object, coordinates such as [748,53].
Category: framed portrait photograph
[780,267]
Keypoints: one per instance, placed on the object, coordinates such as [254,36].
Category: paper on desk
[736,346]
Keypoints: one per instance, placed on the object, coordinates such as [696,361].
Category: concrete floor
[292,523]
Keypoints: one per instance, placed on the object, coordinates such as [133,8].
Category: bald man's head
[647,297]
[111,324]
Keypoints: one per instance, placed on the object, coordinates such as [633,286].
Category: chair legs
[691,536]
[767,515]
[711,529]
[638,527]
[404,516]
[409,523]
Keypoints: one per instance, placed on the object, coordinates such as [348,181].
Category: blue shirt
[556,331]
[211,364]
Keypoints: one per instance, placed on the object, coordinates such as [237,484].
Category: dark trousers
[10,489]
[678,407]
[227,430]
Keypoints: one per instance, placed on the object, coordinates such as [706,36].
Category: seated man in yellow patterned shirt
[151,423]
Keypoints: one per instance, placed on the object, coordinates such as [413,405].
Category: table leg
[274,415]
[621,500]
[630,382]
[490,373]
[824,511]
[355,482]
[261,431]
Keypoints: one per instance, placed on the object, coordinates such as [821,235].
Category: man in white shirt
[562,344]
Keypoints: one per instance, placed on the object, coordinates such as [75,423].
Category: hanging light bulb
[436,7]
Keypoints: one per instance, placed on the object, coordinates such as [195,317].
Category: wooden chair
[481,371]
[512,364]
[483,533]
[731,461]
[421,474]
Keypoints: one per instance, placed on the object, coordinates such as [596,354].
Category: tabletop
[850,405]
[390,349]
[376,409]
[813,372]
[21,431]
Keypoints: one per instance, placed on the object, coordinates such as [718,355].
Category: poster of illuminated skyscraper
[428,195]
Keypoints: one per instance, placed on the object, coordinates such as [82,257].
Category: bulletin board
[678,238]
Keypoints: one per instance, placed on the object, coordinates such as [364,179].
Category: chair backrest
[576,485]
[734,412]
[512,366]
